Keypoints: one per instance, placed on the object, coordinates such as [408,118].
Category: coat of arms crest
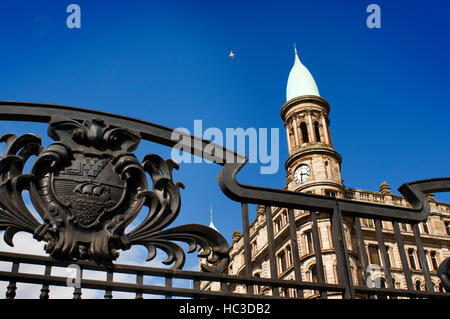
[88,186]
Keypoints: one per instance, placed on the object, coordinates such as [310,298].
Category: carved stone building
[314,166]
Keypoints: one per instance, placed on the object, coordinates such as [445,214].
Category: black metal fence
[335,210]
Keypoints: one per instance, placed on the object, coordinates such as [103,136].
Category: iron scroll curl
[88,186]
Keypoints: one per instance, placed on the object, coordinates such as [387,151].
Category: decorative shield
[88,187]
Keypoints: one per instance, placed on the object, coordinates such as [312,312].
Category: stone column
[328,131]
[297,141]
[325,128]
[310,127]
[288,139]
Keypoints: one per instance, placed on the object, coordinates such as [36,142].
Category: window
[418,285]
[278,224]
[403,227]
[284,259]
[368,222]
[289,255]
[316,131]
[284,217]
[304,131]
[257,288]
[447,227]
[411,257]
[374,256]
[395,284]
[388,255]
[293,292]
[280,221]
[282,262]
[309,242]
[425,227]
[382,285]
[330,193]
[254,248]
[313,276]
[434,260]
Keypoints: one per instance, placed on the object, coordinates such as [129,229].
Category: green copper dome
[300,81]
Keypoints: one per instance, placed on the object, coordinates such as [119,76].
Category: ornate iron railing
[88,186]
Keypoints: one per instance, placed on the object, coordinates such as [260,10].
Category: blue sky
[167,62]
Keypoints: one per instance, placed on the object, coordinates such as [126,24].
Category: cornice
[327,182]
[312,150]
[320,101]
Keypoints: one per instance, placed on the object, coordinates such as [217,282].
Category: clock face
[302,173]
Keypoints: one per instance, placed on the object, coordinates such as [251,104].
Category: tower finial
[295,49]
[211,214]
[211,224]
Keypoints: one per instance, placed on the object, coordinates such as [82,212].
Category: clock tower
[313,165]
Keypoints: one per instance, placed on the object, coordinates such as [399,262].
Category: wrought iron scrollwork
[88,187]
[164,205]
[14,214]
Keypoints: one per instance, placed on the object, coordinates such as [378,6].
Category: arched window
[316,131]
[382,285]
[313,276]
[330,193]
[282,265]
[289,256]
[394,283]
[411,258]
[434,260]
[257,288]
[309,247]
[418,285]
[304,131]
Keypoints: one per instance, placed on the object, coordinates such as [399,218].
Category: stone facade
[435,235]
[313,166]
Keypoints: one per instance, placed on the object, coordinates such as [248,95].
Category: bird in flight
[231,54]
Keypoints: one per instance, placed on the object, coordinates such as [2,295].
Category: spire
[300,81]
[211,224]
